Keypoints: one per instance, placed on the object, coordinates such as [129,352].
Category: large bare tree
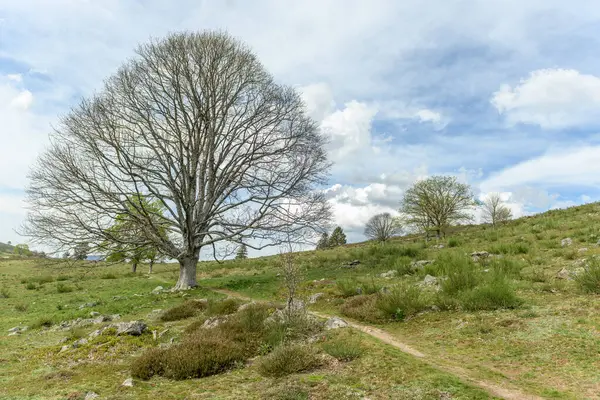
[494,210]
[437,202]
[382,227]
[196,123]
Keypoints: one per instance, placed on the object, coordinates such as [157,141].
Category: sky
[503,94]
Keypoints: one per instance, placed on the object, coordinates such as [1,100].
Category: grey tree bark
[196,123]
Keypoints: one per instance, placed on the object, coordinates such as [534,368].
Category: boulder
[479,255]
[94,314]
[246,305]
[335,323]
[133,328]
[128,382]
[315,297]
[415,265]
[430,280]
[91,396]
[79,343]
[213,322]
[582,250]
[563,274]
[390,274]
[158,290]
[566,242]
[88,305]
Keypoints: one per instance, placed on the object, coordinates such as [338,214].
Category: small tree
[338,237]
[81,251]
[22,250]
[382,227]
[494,210]
[242,252]
[292,277]
[66,254]
[323,243]
[437,202]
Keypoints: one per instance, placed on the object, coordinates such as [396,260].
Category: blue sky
[503,94]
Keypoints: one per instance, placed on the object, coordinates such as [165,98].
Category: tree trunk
[187,273]
[150,266]
[134,267]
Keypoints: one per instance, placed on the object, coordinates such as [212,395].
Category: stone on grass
[94,314]
[315,297]
[295,305]
[96,333]
[128,382]
[133,328]
[158,290]
[478,255]
[563,274]
[91,396]
[430,280]
[64,348]
[213,322]
[420,264]
[246,305]
[582,250]
[390,274]
[335,323]
[79,343]
[88,305]
[566,242]
[16,329]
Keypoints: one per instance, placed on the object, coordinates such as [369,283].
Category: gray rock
[390,274]
[566,242]
[63,340]
[128,382]
[114,317]
[335,323]
[415,265]
[563,274]
[158,290]
[88,305]
[246,305]
[213,322]
[80,342]
[16,329]
[91,396]
[295,305]
[430,280]
[315,297]
[133,328]
[94,314]
[64,348]
[479,255]
[438,246]
[582,250]
[96,333]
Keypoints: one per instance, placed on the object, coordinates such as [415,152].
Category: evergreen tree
[338,237]
[323,243]
[242,252]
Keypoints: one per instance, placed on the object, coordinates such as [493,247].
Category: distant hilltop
[6,248]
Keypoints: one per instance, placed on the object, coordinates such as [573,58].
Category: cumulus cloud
[551,98]
[23,100]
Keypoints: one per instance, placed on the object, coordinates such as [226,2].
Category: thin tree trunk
[150,266]
[187,273]
[134,267]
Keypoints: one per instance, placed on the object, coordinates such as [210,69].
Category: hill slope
[6,248]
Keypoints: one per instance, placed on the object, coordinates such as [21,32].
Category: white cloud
[15,77]
[426,115]
[551,98]
[575,166]
[318,99]
[23,100]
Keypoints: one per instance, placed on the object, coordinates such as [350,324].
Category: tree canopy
[382,227]
[195,123]
[337,238]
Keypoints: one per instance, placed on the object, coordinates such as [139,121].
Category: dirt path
[463,374]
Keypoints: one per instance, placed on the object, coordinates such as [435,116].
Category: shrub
[403,266]
[494,295]
[289,359]
[589,280]
[343,349]
[287,391]
[42,322]
[22,307]
[194,326]
[185,310]
[223,307]
[410,251]
[401,302]
[370,287]
[362,308]
[461,276]
[109,275]
[570,254]
[31,286]
[62,288]
[4,294]
[453,242]
[61,278]
[508,267]
[76,333]
[148,364]
[509,248]
[347,287]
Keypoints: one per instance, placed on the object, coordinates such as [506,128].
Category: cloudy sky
[504,94]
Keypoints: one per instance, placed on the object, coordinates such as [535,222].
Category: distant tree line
[337,238]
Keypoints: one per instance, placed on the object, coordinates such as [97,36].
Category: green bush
[589,280]
[453,242]
[410,251]
[223,307]
[62,288]
[362,308]
[343,349]
[401,302]
[147,365]
[22,307]
[495,294]
[31,286]
[289,359]
[287,391]
[109,275]
[347,287]
[462,274]
[509,248]
[4,294]
[61,278]
[44,322]
[369,287]
[185,310]
[403,266]
[508,267]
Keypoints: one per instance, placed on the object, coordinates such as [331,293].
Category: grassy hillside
[6,248]
[523,318]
